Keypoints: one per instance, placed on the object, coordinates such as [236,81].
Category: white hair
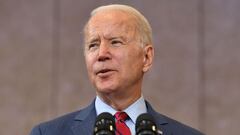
[143,27]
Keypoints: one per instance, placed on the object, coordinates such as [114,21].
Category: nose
[104,52]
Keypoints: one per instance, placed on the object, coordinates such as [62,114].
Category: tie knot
[121,116]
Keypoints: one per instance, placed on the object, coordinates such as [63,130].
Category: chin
[106,90]
[105,85]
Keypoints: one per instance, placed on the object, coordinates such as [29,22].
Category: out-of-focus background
[195,78]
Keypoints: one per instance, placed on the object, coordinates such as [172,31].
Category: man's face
[113,54]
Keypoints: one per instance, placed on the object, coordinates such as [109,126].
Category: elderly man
[118,51]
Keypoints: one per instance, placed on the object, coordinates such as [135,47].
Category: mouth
[104,72]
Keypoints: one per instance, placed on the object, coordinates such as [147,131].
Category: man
[118,51]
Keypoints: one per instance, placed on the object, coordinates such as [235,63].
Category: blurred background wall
[195,77]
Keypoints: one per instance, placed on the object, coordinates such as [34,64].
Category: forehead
[110,23]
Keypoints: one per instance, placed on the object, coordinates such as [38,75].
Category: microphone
[145,125]
[105,124]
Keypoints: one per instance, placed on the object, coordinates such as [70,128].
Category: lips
[102,71]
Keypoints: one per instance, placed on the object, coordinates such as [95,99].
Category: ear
[148,57]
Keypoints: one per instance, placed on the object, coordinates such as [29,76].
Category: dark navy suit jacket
[82,122]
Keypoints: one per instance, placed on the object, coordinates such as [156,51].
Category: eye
[116,42]
[93,46]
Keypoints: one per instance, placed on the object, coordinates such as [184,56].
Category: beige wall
[195,78]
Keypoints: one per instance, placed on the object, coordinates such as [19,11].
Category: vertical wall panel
[25,64]
[75,91]
[222,67]
[43,74]
[172,84]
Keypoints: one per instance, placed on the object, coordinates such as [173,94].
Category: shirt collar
[103,107]
[133,111]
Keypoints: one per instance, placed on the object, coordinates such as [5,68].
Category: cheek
[134,57]
[131,61]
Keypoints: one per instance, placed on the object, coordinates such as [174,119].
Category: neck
[120,101]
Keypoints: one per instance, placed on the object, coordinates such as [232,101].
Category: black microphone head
[105,124]
[145,125]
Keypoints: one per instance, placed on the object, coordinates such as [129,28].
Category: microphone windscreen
[105,124]
[105,115]
[145,125]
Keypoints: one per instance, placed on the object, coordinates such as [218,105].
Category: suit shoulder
[170,125]
[178,128]
[61,122]
[66,118]
[58,125]
[62,125]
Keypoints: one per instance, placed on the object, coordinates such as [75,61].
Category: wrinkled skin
[115,58]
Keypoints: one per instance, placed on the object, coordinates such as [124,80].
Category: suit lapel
[160,120]
[84,121]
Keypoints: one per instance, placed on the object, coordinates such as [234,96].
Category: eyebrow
[93,39]
[116,37]
[96,38]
